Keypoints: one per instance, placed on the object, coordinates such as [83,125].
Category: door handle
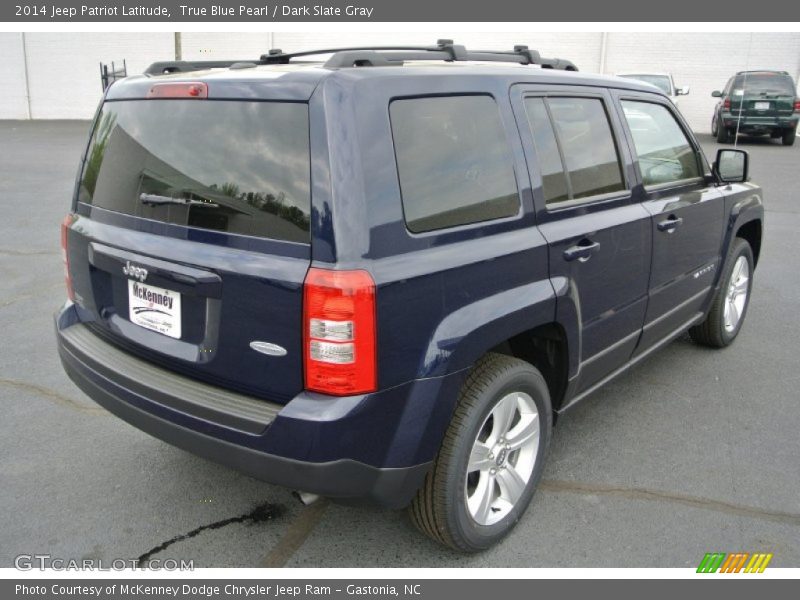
[669,224]
[582,251]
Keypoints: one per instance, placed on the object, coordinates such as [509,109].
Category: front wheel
[729,307]
[491,458]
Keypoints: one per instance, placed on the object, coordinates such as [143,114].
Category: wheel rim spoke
[480,503]
[479,458]
[734,314]
[737,270]
[526,431]
[504,414]
[741,285]
[511,484]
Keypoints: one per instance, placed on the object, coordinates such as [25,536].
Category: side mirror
[731,165]
[684,91]
[716,94]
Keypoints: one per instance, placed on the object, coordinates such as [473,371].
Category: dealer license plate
[762,105]
[155,308]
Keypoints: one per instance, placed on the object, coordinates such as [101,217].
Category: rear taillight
[65,225]
[339,332]
[797,105]
[726,104]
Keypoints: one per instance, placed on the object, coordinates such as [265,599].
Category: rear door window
[453,161]
[238,167]
[554,180]
[575,133]
[664,152]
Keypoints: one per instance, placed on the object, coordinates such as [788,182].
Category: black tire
[789,136]
[712,331]
[440,508]
[714,128]
[723,134]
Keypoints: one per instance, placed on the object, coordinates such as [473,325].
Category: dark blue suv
[385,274]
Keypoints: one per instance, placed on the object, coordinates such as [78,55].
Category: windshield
[660,81]
[239,167]
[763,83]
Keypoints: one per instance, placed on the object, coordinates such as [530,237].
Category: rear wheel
[789,136]
[723,134]
[491,458]
[729,308]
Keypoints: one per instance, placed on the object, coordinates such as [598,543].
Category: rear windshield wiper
[156,200]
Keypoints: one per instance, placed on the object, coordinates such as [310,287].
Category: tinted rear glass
[660,81]
[453,161]
[757,83]
[240,167]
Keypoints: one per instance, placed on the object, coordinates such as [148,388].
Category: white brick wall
[64,70]
[14,96]
[64,77]
[703,61]
[223,46]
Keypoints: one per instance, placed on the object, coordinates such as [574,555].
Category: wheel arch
[751,232]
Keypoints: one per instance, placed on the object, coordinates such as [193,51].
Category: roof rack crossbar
[361,56]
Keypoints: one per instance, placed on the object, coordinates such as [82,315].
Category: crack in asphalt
[259,514]
[53,396]
[575,487]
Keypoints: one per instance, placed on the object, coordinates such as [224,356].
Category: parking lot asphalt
[691,452]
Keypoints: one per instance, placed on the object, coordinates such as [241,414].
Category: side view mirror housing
[682,91]
[716,94]
[731,166]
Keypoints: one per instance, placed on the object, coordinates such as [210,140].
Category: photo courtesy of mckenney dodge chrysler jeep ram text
[384,275]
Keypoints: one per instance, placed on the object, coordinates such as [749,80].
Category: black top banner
[711,11]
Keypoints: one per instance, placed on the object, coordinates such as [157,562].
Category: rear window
[453,162]
[238,167]
[769,83]
[660,81]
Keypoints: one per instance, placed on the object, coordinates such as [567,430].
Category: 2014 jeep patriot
[384,275]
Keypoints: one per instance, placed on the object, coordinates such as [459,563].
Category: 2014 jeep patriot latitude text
[381,277]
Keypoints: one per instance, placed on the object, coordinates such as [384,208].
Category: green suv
[757,103]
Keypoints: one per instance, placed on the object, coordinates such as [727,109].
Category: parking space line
[296,535]
[575,487]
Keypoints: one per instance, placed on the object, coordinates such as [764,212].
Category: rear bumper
[762,124]
[375,446]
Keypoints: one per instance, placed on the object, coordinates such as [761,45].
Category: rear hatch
[764,95]
[191,238]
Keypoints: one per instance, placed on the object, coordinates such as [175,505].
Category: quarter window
[664,152]
[453,161]
[575,148]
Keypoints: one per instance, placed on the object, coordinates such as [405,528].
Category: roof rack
[376,56]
